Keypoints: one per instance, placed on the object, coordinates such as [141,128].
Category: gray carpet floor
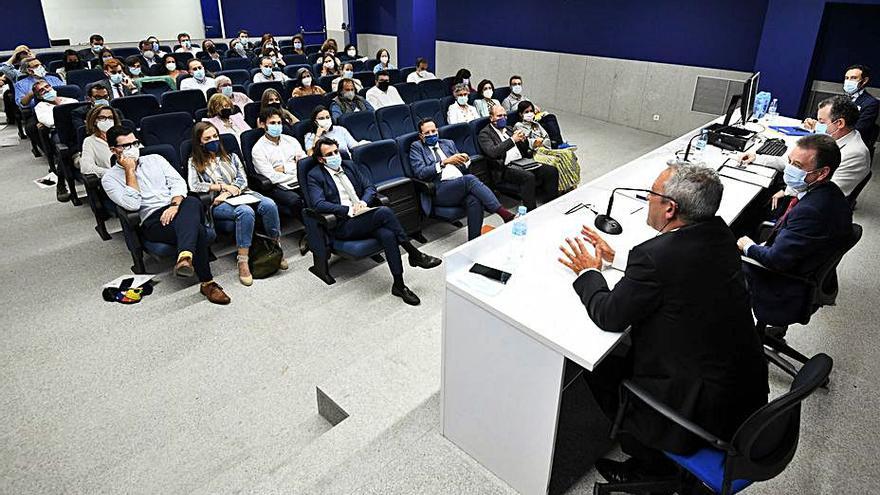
[175,395]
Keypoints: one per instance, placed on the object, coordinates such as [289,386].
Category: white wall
[369,44]
[122,20]
[335,14]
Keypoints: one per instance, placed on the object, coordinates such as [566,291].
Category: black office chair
[853,197]
[819,289]
[760,449]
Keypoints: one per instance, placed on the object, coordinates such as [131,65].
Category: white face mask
[307,81]
[297,45]
[516,89]
[104,125]
[325,123]
[487,93]
[384,59]
[352,52]
[171,66]
[133,153]
[466,82]
[529,116]
[149,54]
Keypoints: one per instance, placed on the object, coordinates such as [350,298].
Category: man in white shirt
[186,45]
[345,190]
[268,72]
[460,111]
[274,157]
[421,73]
[383,94]
[836,117]
[437,161]
[199,79]
[47,100]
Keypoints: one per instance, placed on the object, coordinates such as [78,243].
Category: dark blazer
[819,225]
[694,344]
[325,195]
[111,93]
[424,165]
[157,69]
[495,149]
[869,107]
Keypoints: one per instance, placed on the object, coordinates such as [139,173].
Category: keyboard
[773,147]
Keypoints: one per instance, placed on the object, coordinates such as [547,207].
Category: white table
[504,347]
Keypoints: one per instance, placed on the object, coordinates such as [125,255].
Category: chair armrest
[327,220]
[425,187]
[756,264]
[764,231]
[259,183]
[629,387]
[383,200]
[206,198]
[61,148]
[92,181]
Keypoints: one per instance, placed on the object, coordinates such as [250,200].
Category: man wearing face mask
[836,117]
[548,120]
[96,94]
[461,110]
[151,62]
[96,44]
[855,81]
[245,40]
[269,72]
[421,73]
[117,83]
[343,188]
[26,100]
[348,101]
[150,186]
[47,100]
[694,346]
[437,161]
[815,224]
[186,45]
[199,79]
[383,94]
[503,145]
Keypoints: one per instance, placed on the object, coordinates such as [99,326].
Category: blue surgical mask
[267,71]
[135,71]
[850,86]
[347,74]
[199,74]
[115,78]
[501,123]
[273,130]
[212,146]
[155,46]
[795,178]
[227,91]
[50,95]
[462,100]
[432,140]
[821,128]
[102,101]
[333,161]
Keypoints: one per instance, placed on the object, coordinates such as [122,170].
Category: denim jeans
[245,218]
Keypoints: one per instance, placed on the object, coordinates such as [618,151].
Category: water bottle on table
[699,147]
[518,242]
[772,112]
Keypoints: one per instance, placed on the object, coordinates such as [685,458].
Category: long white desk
[504,347]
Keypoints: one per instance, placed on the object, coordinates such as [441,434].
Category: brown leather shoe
[214,293]
[184,267]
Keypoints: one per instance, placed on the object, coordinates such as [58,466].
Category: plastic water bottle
[771,112]
[699,146]
[518,242]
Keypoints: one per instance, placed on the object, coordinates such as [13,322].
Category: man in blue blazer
[855,80]
[343,189]
[437,161]
[817,223]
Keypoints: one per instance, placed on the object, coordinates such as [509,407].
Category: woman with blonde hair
[212,169]
[95,156]
[564,160]
[272,98]
[221,113]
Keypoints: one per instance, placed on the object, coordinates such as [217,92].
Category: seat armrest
[628,387]
[206,198]
[129,219]
[764,231]
[797,278]
[327,220]
[259,183]
[91,181]
[383,200]
[425,187]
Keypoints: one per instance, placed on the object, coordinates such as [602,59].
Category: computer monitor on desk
[727,135]
[749,93]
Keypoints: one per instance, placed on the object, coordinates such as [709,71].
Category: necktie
[436,151]
[349,188]
[778,226]
[118,90]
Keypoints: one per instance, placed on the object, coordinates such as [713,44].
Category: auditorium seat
[394,121]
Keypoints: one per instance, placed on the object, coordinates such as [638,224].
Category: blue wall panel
[376,16]
[22,23]
[279,17]
[850,34]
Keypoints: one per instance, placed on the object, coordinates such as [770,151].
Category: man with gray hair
[836,117]
[694,345]
[460,110]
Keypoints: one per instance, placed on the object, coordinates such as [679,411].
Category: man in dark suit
[96,44]
[694,345]
[502,145]
[855,81]
[117,83]
[151,62]
[437,161]
[344,190]
[817,223]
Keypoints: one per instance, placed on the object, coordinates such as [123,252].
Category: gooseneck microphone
[607,224]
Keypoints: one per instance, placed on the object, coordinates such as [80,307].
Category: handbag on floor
[264,258]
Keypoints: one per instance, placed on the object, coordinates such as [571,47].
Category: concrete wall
[369,44]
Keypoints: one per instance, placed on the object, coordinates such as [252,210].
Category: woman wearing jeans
[212,169]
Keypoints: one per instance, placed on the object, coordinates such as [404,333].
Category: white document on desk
[746,176]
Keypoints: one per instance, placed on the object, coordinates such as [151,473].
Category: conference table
[511,354]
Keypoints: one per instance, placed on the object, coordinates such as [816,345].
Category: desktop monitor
[747,102]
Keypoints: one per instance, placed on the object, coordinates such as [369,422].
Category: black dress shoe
[36,153]
[407,295]
[619,472]
[423,260]
[61,193]
[303,246]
